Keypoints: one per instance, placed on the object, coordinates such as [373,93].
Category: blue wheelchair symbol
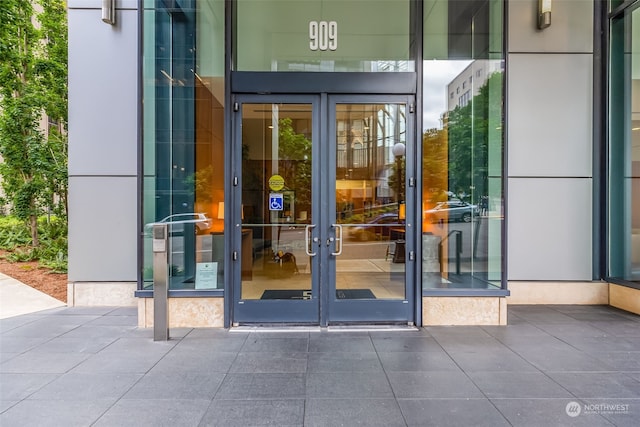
[276,202]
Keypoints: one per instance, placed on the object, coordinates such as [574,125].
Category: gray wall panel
[550,115]
[103,85]
[550,142]
[571,27]
[103,75]
[549,229]
[102,229]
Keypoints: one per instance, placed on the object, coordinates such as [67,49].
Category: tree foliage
[456,158]
[294,150]
[33,108]
[435,165]
[470,133]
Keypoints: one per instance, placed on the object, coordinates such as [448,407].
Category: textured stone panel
[463,311]
[624,298]
[101,294]
[558,293]
[186,313]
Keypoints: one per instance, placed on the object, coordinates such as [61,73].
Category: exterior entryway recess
[322,204]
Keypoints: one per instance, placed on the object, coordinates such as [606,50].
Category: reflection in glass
[370,163]
[183,146]
[624,150]
[276,201]
[462,197]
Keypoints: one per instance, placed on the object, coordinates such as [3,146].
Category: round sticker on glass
[276,183]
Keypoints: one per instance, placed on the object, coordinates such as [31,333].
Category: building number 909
[323,35]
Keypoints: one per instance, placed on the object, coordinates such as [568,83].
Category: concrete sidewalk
[16,298]
[551,366]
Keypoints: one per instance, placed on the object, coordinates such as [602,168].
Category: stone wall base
[624,298]
[445,310]
[592,293]
[185,312]
[117,294]
[464,311]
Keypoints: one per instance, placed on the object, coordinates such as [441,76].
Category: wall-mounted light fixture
[109,11]
[544,13]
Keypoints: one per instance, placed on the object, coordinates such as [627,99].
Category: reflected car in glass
[452,211]
[176,223]
[377,228]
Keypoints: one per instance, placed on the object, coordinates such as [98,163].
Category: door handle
[338,239]
[307,234]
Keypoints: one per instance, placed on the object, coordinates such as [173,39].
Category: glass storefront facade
[436,199]
[183,138]
[462,143]
[623,214]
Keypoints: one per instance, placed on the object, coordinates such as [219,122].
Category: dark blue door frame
[323,308]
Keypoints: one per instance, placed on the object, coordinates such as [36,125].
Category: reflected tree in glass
[294,150]
[469,132]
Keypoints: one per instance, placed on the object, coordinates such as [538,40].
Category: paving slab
[93,366]
[16,298]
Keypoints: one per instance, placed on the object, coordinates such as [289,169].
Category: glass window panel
[624,150]
[369,199]
[183,143]
[462,139]
[323,35]
[276,143]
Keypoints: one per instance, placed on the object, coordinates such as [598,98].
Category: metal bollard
[160,283]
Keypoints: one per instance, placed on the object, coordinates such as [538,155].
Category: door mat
[306,294]
[286,294]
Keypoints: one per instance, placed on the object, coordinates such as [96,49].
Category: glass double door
[321,210]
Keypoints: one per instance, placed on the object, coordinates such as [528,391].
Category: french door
[322,206]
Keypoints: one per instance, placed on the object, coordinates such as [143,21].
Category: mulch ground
[40,278]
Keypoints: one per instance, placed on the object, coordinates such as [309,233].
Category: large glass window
[624,149]
[462,143]
[183,139]
[323,35]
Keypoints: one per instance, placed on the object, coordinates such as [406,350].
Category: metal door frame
[321,309]
[337,311]
[262,311]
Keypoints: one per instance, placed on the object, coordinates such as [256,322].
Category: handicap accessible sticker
[276,202]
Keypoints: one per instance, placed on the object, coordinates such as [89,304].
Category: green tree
[471,129]
[33,87]
[435,165]
[294,150]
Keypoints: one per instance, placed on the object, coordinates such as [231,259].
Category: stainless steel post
[160,283]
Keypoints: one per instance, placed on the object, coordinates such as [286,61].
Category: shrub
[52,252]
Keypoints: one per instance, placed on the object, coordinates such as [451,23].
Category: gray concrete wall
[103,97]
[550,140]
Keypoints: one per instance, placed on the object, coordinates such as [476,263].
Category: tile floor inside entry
[383,285]
[551,366]
[364,266]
